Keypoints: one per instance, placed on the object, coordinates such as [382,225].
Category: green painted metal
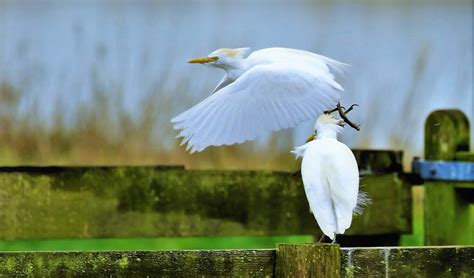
[444,170]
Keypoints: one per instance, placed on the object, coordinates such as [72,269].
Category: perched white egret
[330,177]
[267,90]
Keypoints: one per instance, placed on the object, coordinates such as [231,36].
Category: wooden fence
[303,260]
[112,202]
[448,170]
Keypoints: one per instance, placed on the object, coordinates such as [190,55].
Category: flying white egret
[330,177]
[267,90]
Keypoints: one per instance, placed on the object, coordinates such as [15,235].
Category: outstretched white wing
[331,181]
[266,98]
[280,54]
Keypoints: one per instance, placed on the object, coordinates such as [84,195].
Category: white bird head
[223,58]
[327,126]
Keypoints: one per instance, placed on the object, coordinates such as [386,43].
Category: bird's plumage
[271,89]
[330,177]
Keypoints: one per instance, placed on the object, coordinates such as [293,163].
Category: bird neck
[236,68]
[327,133]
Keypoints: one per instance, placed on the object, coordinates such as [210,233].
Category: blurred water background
[96,82]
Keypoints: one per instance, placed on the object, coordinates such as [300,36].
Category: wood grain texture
[446,261]
[308,260]
[236,263]
[302,260]
[446,132]
[449,205]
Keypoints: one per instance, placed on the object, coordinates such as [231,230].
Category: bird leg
[321,239]
[334,240]
[342,114]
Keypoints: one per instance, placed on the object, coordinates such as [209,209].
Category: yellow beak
[203,60]
[311,137]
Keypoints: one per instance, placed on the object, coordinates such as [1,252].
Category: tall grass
[103,132]
[66,53]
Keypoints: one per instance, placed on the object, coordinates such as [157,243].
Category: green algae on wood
[464,156]
[446,132]
[379,161]
[448,206]
[236,263]
[449,215]
[436,261]
[390,208]
[304,259]
[308,260]
[93,202]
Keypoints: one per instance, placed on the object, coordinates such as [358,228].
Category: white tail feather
[362,201]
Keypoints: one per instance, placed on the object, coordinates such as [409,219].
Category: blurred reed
[97,83]
[104,133]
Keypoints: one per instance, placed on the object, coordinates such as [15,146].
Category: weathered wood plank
[91,202]
[308,260]
[464,156]
[446,261]
[390,210]
[235,263]
[449,214]
[379,161]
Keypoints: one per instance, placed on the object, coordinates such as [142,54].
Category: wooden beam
[305,260]
[448,207]
[449,213]
[446,132]
[92,202]
[435,261]
[308,260]
[204,263]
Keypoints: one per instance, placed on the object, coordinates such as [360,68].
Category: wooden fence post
[308,260]
[446,132]
[448,212]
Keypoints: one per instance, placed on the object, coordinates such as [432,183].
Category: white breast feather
[331,180]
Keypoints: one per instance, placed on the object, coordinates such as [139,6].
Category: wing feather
[280,54]
[266,98]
